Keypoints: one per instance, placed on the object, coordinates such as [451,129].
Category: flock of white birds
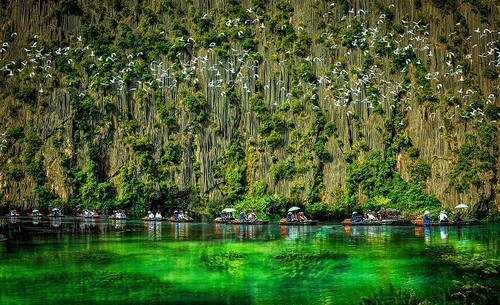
[338,87]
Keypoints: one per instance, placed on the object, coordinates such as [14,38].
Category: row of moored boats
[252,219]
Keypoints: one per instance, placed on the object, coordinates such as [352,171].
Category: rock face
[333,104]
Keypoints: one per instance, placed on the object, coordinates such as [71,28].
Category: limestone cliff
[330,104]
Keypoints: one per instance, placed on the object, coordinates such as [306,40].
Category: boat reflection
[443,232]
[119,223]
[55,222]
[180,230]
[91,225]
[427,235]
[297,232]
[153,229]
[249,231]
[370,233]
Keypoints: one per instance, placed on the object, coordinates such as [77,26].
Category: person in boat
[370,217]
[230,216]
[176,215]
[118,214]
[443,217]
[289,217]
[457,217]
[427,218]
[158,215]
[354,217]
[302,216]
[252,216]
[242,217]
[151,215]
[223,216]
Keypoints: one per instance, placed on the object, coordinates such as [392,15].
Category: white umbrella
[461,206]
[229,210]
[293,209]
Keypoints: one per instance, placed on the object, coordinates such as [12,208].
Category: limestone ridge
[333,105]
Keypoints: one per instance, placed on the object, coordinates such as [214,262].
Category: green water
[75,261]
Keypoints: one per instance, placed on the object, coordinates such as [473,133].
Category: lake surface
[129,262]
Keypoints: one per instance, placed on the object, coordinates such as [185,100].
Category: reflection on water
[55,222]
[443,232]
[97,260]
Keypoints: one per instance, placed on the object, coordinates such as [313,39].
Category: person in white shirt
[443,217]
[371,217]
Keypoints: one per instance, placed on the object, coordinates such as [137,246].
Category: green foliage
[68,7]
[303,71]
[15,133]
[33,144]
[167,115]
[274,139]
[301,46]
[492,112]
[402,58]
[92,194]
[475,165]
[380,8]
[231,168]
[46,197]
[26,94]
[447,5]
[172,152]
[259,189]
[196,105]
[267,205]
[319,148]
[374,176]
[481,8]
[85,112]
[490,72]
[369,172]
[413,152]
[15,173]
[419,172]
[285,169]
[352,35]
[324,210]
[139,144]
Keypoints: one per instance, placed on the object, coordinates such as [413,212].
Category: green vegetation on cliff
[255,104]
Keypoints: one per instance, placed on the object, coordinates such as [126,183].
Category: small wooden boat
[385,222]
[35,213]
[466,222]
[246,222]
[146,218]
[220,220]
[118,217]
[56,212]
[185,219]
[88,214]
[249,222]
[298,223]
